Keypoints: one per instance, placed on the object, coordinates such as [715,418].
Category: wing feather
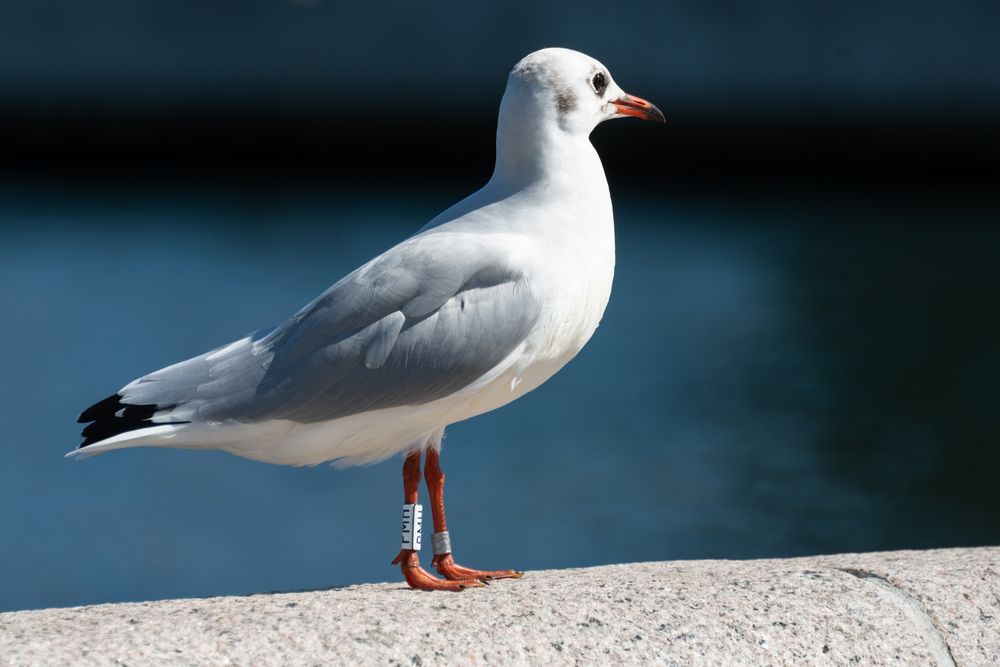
[424,320]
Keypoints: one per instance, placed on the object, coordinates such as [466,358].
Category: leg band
[442,543]
[413,516]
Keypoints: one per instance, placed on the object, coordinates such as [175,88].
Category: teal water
[771,379]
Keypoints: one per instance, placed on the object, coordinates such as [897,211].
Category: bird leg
[408,559]
[443,561]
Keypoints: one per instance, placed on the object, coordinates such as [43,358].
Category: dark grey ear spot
[566,100]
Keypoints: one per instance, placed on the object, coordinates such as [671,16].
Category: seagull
[483,304]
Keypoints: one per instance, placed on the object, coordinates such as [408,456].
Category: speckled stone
[899,608]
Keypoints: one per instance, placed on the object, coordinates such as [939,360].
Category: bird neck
[531,153]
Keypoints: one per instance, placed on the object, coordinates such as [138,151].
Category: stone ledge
[907,607]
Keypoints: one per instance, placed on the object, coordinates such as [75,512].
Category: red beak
[629,105]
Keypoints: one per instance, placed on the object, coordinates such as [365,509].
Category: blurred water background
[800,354]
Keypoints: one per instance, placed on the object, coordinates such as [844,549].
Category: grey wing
[416,324]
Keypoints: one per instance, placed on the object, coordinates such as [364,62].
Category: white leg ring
[413,516]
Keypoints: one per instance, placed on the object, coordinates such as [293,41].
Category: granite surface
[938,607]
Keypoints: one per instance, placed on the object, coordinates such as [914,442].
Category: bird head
[571,89]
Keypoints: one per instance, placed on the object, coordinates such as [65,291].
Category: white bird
[483,304]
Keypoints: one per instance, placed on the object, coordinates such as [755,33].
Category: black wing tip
[105,406]
[110,417]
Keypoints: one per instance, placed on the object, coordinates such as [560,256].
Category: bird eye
[600,82]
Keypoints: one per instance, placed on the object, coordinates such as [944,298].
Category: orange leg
[444,563]
[408,559]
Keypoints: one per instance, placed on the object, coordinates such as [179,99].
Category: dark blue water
[770,379]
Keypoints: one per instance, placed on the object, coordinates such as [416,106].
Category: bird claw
[447,567]
[420,579]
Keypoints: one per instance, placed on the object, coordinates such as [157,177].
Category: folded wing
[418,323]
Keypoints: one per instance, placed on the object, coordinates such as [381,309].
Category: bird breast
[575,302]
